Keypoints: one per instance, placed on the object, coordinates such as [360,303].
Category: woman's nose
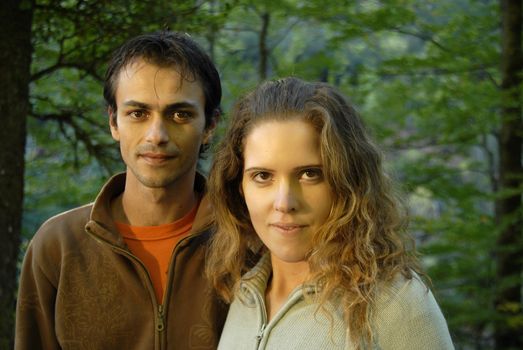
[286,199]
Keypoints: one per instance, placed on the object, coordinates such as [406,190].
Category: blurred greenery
[425,76]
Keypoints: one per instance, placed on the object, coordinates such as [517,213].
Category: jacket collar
[101,221]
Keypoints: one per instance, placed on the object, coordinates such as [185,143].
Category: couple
[296,242]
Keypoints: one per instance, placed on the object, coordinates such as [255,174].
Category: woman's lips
[287,227]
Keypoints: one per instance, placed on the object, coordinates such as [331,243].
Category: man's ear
[209,131]
[113,124]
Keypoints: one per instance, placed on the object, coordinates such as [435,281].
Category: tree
[509,330]
[15,57]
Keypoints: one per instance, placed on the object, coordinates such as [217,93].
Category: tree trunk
[510,243]
[15,58]
[264,50]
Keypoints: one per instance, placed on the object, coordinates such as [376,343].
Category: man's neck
[145,206]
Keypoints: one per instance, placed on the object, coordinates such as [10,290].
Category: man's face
[160,123]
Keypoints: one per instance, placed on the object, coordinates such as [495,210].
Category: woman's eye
[262,177]
[312,174]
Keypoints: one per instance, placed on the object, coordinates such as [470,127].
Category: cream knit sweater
[407,317]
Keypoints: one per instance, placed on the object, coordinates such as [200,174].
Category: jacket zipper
[160,324]
[166,296]
[160,317]
[265,324]
[259,336]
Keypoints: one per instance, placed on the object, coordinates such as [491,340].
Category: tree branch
[100,151]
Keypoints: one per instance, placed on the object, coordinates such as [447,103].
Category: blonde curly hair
[362,244]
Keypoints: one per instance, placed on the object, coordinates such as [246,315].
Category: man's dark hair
[166,49]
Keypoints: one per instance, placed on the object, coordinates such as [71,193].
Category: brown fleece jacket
[81,288]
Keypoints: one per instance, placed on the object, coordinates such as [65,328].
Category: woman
[300,193]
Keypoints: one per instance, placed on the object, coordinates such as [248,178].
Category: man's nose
[157,131]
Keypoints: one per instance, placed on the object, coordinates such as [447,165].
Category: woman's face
[285,191]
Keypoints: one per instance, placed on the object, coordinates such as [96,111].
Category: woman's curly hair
[362,244]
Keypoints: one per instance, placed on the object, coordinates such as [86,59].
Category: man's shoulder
[62,225]
[69,217]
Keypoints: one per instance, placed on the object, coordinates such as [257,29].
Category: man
[126,272]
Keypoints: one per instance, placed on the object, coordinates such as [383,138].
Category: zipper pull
[259,336]
[160,324]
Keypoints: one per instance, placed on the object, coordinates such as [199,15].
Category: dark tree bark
[510,243]
[264,50]
[15,60]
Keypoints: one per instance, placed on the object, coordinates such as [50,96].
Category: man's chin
[156,181]
[161,178]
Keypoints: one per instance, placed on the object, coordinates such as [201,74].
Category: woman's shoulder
[405,299]
[406,315]
[403,291]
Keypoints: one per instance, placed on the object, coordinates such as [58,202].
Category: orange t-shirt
[154,245]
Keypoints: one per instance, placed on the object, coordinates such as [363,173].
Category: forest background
[437,82]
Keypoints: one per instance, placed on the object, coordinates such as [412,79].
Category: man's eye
[137,114]
[262,177]
[181,116]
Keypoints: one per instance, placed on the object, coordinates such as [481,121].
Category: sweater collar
[256,279]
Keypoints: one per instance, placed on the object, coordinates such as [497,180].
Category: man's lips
[156,157]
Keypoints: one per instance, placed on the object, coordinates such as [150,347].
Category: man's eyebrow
[181,105]
[170,107]
[133,103]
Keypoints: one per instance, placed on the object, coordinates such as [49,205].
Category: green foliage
[424,75]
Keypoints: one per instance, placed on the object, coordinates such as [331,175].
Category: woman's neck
[284,279]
